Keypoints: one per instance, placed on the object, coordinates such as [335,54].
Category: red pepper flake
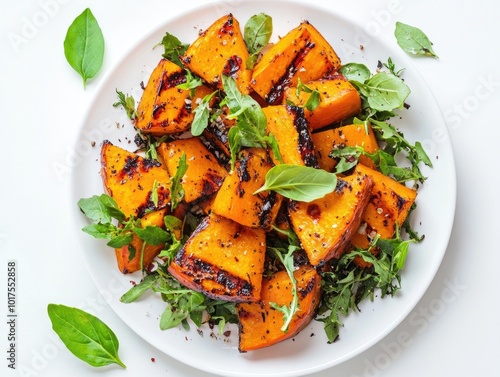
[153,359]
[133,283]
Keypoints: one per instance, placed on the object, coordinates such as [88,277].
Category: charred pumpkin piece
[217,132]
[352,135]
[220,50]
[260,324]
[164,108]
[325,226]
[129,257]
[338,101]
[204,174]
[303,53]
[290,128]
[390,203]
[235,199]
[222,259]
[130,180]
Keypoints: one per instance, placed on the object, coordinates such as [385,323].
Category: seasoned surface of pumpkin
[222,259]
[130,180]
[260,324]
[220,50]
[303,53]
[325,226]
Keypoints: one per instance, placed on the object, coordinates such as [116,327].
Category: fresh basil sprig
[85,335]
[257,33]
[300,183]
[413,40]
[84,45]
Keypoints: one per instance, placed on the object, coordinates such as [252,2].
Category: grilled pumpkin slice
[222,259]
[260,324]
[131,179]
[352,135]
[325,226]
[235,199]
[220,50]
[290,128]
[338,100]
[204,174]
[164,108]
[303,53]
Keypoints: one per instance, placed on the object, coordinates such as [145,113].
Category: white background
[453,331]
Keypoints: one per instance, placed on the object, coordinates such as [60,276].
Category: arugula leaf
[176,189]
[192,82]
[288,311]
[120,240]
[137,290]
[201,115]
[257,33]
[128,104]
[152,235]
[84,45]
[300,183]
[314,96]
[85,335]
[413,40]
[173,48]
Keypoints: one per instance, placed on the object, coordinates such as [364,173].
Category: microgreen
[128,103]
[176,189]
[174,48]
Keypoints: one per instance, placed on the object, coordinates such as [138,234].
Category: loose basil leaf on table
[413,40]
[85,335]
[84,45]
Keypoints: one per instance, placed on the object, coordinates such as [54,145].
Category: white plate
[306,353]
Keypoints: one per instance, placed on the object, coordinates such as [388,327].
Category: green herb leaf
[413,40]
[152,235]
[300,183]
[355,72]
[384,91]
[128,104]
[314,96]
[173,48]
[176,189]
[84,46]
[201,115]
[137,290]
[257,33]
[120,240]
[85,335]
[101,209]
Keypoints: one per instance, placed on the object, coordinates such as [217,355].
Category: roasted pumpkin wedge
[131,179]
[325,226]
[352,135]
[204,174]
[303,53]
[222,259]
[236,200]
[290,128]
[164,108]
[133,257]
[338,100]
[260,324]
[220,50]
[390,203]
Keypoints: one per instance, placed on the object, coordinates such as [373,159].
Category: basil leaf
[153,235]
[84,46]
[300,183]
[413,40]
[355,72]
[100,230]
[120,240]
[86,336]
[176,189]
[101,209]
[201,115]
[173,48]
[384,91]
[257,33]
